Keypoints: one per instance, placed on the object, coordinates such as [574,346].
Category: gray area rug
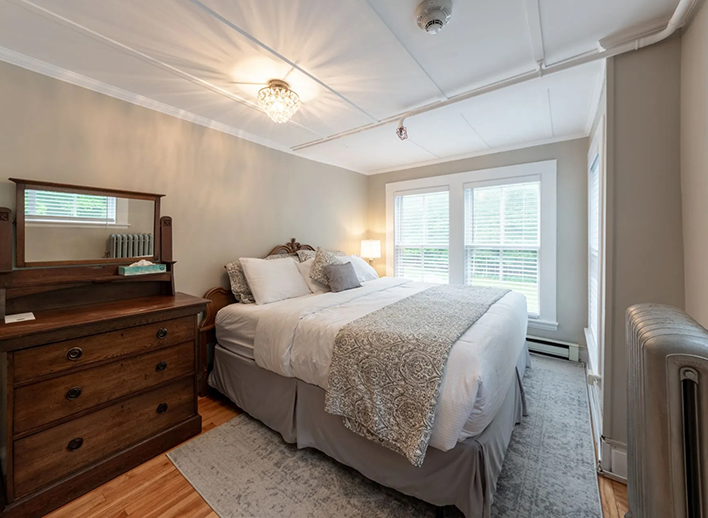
[243,469]
[549,468]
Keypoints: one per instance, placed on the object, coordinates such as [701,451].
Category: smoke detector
[433,15]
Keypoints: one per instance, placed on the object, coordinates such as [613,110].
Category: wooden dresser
[93,392]
[104,378]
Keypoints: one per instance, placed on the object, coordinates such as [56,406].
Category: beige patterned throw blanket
[387,366]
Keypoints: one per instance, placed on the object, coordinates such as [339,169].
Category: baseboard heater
[555,348]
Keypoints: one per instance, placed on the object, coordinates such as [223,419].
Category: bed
[273,360]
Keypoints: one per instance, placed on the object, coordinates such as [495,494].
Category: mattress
[236,326]
[294,338]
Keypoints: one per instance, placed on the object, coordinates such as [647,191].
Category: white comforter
[296,338]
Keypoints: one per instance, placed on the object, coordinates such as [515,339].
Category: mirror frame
[23,185]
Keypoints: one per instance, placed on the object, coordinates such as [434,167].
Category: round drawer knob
[162,408]
[73,393]
[161,333]
[74,354]
[161,366]
[75,444]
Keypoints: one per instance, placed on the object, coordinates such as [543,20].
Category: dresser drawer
[63,356]
[46,401]
[59,451]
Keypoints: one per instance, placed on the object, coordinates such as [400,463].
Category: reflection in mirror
[69,226]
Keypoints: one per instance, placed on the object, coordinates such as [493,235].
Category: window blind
[594,250]
[503,238]
[422,236]
[67,207]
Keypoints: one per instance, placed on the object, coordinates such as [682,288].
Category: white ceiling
[353,63]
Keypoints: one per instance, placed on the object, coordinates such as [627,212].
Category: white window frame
[121,219]
[596,341]
[511,181]
[408,193]
[455,184]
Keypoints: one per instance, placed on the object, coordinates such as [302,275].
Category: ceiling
[353,63]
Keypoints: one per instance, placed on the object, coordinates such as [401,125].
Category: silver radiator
[130,245]
[668,413]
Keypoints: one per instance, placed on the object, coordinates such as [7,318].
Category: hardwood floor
[154,488]
[157,489]
[614,498]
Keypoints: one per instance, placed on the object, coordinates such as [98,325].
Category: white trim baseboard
[594,402]
[545,325]
[614,460]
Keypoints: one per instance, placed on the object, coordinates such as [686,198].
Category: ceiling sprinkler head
[402,132]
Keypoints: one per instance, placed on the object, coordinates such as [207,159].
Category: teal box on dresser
[141,270]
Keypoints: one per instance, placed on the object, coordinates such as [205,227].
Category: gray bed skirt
[465,476]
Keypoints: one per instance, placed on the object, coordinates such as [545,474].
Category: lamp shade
[371,248]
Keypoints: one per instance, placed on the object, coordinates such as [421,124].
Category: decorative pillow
[364,271]
[341,277]
[323,258]
[306,255]
[282,256]
[239,284]
[271,281]
[315,287]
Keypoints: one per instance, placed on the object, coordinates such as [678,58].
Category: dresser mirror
[61,224]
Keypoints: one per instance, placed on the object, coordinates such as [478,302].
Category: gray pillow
[341,277]
[322,259]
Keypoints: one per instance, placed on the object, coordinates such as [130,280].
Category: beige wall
[694,164]
[572,221]
[643,167]
[228,197]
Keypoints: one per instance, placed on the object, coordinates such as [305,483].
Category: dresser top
[66,323]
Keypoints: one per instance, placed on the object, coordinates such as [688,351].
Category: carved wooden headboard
[220,297]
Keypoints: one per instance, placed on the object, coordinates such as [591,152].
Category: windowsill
[545,325]
[69,224]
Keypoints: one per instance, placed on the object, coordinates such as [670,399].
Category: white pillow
[364,271]
[315,286]
[271,281]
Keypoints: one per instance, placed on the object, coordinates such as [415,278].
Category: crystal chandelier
[278,101]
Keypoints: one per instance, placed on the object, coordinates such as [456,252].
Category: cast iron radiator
[667,413]
[130,245]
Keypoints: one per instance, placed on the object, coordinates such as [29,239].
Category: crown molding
[595,97]
[67,76]
[484,152]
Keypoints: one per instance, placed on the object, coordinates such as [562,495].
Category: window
[594,251]
[69,208]
[422,236]
[492,227]
[502,238]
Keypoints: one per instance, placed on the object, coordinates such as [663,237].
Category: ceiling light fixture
[278,101]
